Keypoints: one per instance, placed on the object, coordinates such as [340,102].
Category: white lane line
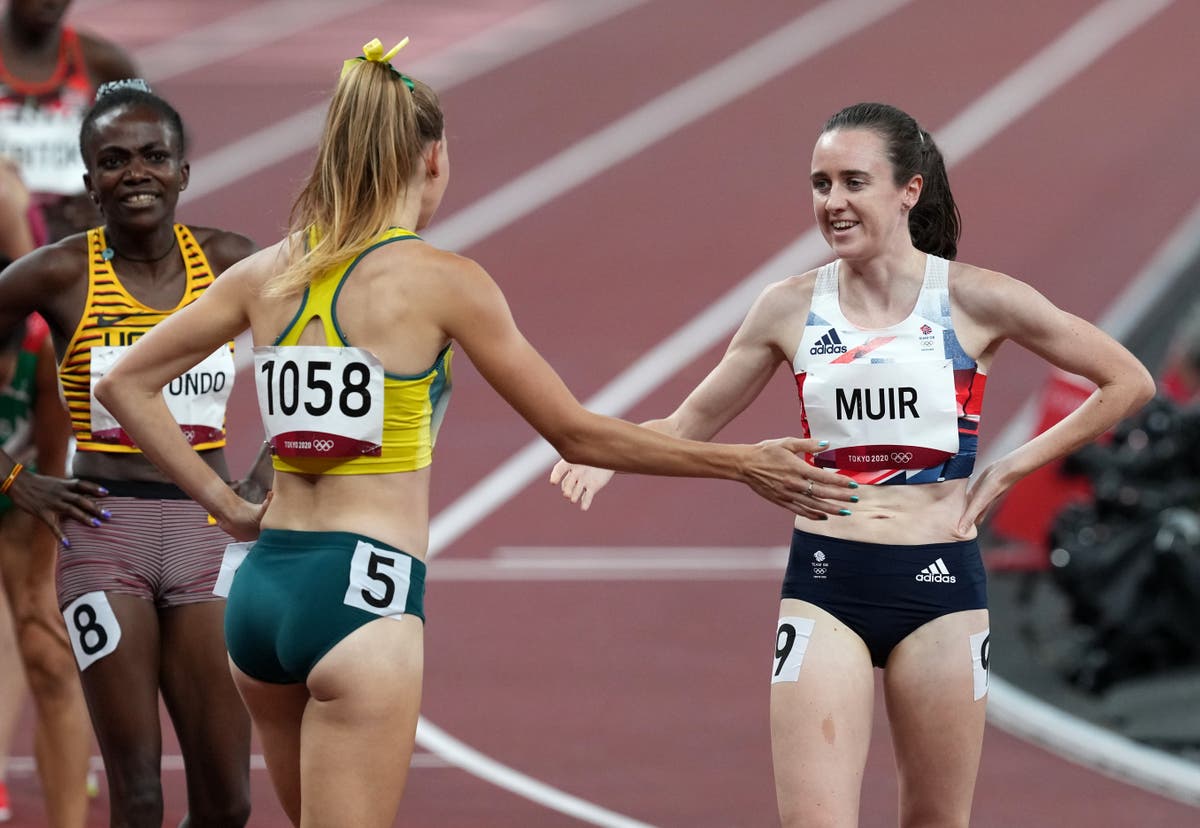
[474,762]
[628,563]
[514,38]
[1084,43]
[703,94]
[27,765]
[782,50]
[244,31]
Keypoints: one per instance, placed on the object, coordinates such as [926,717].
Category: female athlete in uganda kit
[353,317]
[890,345]
[136,590]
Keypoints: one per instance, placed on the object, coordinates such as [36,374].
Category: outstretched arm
[751,359]
[479,319]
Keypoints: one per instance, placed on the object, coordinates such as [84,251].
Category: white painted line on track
[705,93]
[458,753]
[27,765]
[1081,45]
[244,31]
[627,563]
[521,35]
[1079,741]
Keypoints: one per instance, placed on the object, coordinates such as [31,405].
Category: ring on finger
[810,488]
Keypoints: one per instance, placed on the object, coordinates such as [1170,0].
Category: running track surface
[646,695]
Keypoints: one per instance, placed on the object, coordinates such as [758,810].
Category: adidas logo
[830,343]
[936,573]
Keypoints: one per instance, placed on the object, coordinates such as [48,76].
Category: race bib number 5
[379,580]
[319,401]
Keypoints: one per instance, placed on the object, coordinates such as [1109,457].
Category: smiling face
[135,167]
[860,209]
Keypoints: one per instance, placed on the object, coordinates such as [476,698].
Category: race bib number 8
[92,627]
[319,401]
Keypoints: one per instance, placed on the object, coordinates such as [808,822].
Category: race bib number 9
[319,401]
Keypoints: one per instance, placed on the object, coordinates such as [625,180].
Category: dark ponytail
[934,223]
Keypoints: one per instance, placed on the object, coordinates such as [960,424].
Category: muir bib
[898,405]
[894,415]
[195,399]
[320,401]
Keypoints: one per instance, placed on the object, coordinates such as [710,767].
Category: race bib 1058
[320,401]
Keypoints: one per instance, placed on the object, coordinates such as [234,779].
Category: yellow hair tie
[373,52]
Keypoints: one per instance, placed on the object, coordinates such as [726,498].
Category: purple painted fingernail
[95,522]
[103,490]
[66,542]
[104,513]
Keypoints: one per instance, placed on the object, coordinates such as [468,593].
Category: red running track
[647,696]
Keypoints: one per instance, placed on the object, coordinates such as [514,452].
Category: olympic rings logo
[902,456]
[323,445]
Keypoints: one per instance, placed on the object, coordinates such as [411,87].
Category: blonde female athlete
[890,344]
[353,316]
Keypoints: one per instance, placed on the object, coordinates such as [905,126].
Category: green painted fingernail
[823,443]
[854,498]
[844,511]
[853,485]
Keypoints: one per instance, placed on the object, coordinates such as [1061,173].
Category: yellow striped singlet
[413,405]
[112,317]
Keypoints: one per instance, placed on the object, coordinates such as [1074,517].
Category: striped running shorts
[158,545]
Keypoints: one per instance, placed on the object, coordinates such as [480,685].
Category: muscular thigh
[822,702]
[936,685]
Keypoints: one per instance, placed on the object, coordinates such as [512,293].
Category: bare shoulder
[996,306]
[52,280]
[106,61]
[53,267]
[793,289]
[981,292]
[784,301]
[443,270]
[223,248]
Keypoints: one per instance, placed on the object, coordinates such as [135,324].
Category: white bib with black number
[92,627]
[320,401]
[379,580]
[196,399]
